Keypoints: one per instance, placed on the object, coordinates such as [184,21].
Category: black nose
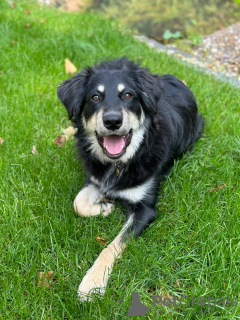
[112,120]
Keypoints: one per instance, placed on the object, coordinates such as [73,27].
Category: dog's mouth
[114,145]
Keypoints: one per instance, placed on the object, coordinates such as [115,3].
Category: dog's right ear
[72,91]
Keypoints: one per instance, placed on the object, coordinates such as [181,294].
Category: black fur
[172,126]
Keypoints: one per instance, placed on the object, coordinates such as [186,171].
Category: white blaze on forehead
[121,87]
[101,88]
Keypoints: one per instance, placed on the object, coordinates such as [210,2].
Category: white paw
[94,282]
[90,202]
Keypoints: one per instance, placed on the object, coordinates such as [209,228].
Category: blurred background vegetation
[165,19]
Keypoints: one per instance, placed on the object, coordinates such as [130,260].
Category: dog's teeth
[122,147]
[124,136]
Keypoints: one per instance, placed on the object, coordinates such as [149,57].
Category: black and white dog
[132,125]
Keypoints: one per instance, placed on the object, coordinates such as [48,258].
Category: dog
[131,127]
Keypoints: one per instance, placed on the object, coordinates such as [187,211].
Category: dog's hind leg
[96,278]
[91,202]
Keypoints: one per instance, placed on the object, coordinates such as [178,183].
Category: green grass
[192,248]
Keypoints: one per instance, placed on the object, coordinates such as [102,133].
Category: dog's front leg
[144,214]
[96,278]
[91,202]
[140,215]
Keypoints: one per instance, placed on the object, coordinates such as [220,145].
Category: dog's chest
[112,179]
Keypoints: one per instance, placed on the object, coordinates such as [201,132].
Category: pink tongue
[114,144]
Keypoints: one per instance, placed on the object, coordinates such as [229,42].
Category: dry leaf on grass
[12,4]
[43,20]
[218,188]
[179,283]
[60,140]
[45,279]
[69,66]
[101,240]
[27,25]
[69,132]
[26,11]
[1,141]
[34,150]
[14,42]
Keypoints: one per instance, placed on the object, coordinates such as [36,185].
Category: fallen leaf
[101,240]
[60,140]
[179,283]
[45,279]
[14,42]
[26,11]
[34,150]
[12,4]
[218,188]
[1,141]
[69,66]
[43,20]
[27,25]
[69,132]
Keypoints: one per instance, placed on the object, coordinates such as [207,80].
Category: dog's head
[114,101]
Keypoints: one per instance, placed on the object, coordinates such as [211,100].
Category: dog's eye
[96,97]
[128,95]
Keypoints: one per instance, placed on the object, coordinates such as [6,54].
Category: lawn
[192,248]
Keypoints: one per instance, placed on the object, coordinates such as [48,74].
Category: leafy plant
[196,39]
[169,35]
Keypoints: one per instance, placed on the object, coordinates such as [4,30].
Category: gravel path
[222,48]
[218,54]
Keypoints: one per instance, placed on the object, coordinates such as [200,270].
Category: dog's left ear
[151,88]
[72,91]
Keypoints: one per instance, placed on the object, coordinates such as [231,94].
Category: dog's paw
[90,202]
[106,207]
[86,210]
[93,283]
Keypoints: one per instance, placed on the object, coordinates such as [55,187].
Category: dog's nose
[112,120]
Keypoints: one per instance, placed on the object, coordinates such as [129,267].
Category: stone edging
[188,58]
